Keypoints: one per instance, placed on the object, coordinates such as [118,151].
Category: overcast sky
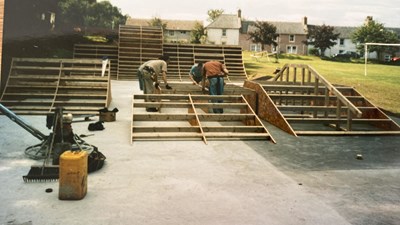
[328,12]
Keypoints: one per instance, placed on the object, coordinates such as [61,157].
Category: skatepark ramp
[187,115]
[138,44]
[183,56]
[99,51]
[300,101]
[36,86]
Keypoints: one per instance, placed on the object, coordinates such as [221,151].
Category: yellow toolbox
[73,175]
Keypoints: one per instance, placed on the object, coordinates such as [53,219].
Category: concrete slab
[303,180]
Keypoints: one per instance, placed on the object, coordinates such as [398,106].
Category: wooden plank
[211,135]
[343,133]
[239,129]
[176,129]
[334,120]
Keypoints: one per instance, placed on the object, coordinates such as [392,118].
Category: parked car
[347,55]
[395,59]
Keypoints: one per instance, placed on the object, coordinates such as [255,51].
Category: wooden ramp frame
[137,44]
[183,56]
[87,51]
[186,117]
[36,86]
[301,102]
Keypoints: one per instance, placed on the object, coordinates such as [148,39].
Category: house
[177,31]
[291,37]
[345,43]
[224,30]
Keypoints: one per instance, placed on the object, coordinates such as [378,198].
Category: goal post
[366,52]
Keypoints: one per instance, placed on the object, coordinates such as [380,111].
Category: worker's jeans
[216,88]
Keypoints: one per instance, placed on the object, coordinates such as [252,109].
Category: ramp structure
[302,102]
[36,86]
[183,56]
[187,117]
[100,51]
[138,44]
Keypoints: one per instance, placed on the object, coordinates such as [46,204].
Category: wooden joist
[182,117]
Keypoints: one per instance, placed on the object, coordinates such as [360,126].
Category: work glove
[168,87]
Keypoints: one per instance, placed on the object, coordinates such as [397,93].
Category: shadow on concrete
[316,153]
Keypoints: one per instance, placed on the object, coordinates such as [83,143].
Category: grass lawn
[381,86]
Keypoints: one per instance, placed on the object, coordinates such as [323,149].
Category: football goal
[366,52]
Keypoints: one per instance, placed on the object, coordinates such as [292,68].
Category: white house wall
[214,36]
[348,45]
[178,36]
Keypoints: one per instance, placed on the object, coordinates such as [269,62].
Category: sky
[318,12]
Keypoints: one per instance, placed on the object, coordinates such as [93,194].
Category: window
[183,32]
[224,32]
[171,33]
[291,38]
[223,43]
[341,41]
[291,49]
[255,47]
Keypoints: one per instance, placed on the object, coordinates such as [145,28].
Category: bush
[313,51]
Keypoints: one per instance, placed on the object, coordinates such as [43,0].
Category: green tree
[157,22]
[374,32]
[322,37]
[214,14]
[89,13]
[73,12]
[103,14]
[198,34]
[264,33]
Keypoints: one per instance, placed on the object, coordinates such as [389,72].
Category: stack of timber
[302,102]
[99,51]
[187,117]
[183,56]
[137,44]
[37,86]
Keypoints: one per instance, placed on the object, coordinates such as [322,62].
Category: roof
[281,27]
[345,32]
[226,21]
[395,29]
[171,24]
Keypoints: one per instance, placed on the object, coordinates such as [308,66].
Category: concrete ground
[299,180]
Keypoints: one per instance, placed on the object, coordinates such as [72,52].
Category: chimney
[240,13]
[304,21]
[368,19]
